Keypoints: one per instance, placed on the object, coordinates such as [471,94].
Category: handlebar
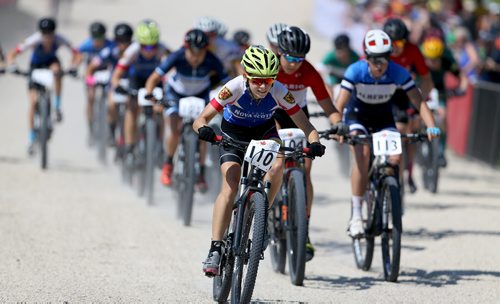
[365,138]
[242,146]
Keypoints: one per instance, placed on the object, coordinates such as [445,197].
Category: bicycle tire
[363,247]
[140,161]
[250,249]
[101,124]
[391,229]
[296,231]
[277,239]
[187,179]
[432,170]
[222,282]
[150,160]
[44,104]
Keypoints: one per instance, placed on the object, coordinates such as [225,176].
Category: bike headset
[123,32]
[396,29]
[195,39]
[47,25]
[294,41]
[97,30]
[273,32]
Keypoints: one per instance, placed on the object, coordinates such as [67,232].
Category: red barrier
[458,118]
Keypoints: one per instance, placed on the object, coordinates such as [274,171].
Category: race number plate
[262,153]
[102,77]
[433,102]
[43,77]
[121,98]
[292,138]
[191,107]
[386,143]
[143,102]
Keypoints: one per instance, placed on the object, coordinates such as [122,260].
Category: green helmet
[147,33]
[259,61]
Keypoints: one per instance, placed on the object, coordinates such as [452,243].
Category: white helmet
[377,43]
[207,24]
[221,29]
[274,31]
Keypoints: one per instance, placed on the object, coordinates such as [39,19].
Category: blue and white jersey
[242,110]
[108,56]
[137,65]
[187,80]
[371,96]
[40,54]
[87,47]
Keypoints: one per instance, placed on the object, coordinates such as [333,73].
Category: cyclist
[227,51]
[297,74]
[248,102]
[335,62]
[409,56]
[45,44]
[197,70]
[89,49]
[440,60]
[139,60]
[366,95]
[108,57]
[272,35]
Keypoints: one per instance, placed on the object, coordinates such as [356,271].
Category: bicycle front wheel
[222,282]
[101,130]
[277,242]
[391,229]
[296,232]
[363,247]
[44,107]
[248,255]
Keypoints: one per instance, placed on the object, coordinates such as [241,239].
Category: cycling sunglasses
[399,43]
[260,81]
[149,48]
[291,58]
[378,60]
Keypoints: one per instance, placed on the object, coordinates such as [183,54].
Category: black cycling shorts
[266,130]
[284,119]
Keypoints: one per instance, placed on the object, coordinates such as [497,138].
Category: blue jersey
[188,80]
[371,96]
[88,48]
[40,54]
[108,56]
[242,110]
[139,66]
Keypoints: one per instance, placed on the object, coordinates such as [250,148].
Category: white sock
[356,206]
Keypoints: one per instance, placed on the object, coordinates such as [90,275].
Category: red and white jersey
[305,77]
[412,60]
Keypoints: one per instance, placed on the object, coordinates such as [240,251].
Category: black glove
[150,97]
[316,149]
[73,72]
[341,128]
[120,90]
[207,134]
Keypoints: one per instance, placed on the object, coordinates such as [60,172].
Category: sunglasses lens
[148,48]
[261,81]
[290,58]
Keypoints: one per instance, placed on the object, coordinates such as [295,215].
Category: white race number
[143,102]
[386,143]
[191,107]
[292,138]
[262,153]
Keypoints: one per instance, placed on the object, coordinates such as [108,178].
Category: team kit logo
[289,98]
[225,93]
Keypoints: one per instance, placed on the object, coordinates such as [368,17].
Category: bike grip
[306,150]
[218,137]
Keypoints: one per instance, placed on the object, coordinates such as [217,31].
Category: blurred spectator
[465,53]
[336,61]
[491,67]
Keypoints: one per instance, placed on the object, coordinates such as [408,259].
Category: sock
[202,170]
[169,160]
[356,206]
[32,136]
[112,128]
[410,170]
[216,246]
[57,102]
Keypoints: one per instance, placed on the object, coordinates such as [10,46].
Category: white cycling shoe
[355,228]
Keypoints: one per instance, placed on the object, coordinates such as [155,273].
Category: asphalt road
[75,233]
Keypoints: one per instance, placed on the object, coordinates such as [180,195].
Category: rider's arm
[75,58]
[426,84]
[123,64]
[426,114]
[341,103]
[300,119]
[152,81]
[205,117]
[23,46]
[117,75]
[315,81]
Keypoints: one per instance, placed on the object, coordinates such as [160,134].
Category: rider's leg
[31,116]
[275,176]
[309,185]
[359,177]
[174,123]
[112,116]
[90,107]
[130,123]
[55,67]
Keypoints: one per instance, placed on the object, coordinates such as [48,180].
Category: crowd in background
[469,28]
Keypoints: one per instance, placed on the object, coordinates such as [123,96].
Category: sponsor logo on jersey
[289,98]
[225,93]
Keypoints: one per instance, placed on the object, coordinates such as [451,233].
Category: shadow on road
[444,206]
[423,233]
[341,282]
[472,177]
[439,278]
[474,194]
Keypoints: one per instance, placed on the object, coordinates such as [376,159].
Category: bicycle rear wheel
[44,107]
[363,247]
[277,242]
[248,255]
[150,159]
[222,282]
[101,130]
[391,229]
[296,230]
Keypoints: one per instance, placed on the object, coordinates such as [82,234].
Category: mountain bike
[100,122]
[42,80]
[147,145]
[186,158]
[288,215]
[381,208]
[246,236]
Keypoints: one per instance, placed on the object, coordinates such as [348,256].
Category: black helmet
[123,32]
[396,29]
[342,41]
[47,25]
[97,30]
[195,39]
[294,41]
[241,37]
